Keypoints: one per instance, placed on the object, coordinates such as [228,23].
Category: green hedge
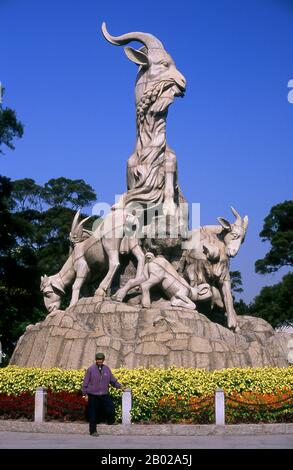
[150,385]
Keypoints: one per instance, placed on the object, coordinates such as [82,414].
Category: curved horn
[150,41]
[245,223]
[79,228]
[74,222]
[237,215]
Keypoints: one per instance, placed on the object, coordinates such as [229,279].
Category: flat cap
[100,356]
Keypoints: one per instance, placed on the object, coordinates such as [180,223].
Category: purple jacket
[98,384]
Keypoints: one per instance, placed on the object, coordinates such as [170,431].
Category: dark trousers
[100,409]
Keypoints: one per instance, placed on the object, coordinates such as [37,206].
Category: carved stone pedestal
[131,337]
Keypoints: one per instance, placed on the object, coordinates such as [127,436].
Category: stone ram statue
[159,271]
[96,251]
[206,259]
[152,168]
[151,182]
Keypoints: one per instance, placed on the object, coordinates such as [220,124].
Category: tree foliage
[68,193]
[236,281]
[275,303]
[48,212]
[26,195]
[10,127]
[236,286]
[18,273]
[34,229]
[278,230]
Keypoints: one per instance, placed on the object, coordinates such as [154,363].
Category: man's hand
[85,397]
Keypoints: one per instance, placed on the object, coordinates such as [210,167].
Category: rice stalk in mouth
[150,96]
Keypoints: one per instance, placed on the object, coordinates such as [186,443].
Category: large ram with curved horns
[152,168]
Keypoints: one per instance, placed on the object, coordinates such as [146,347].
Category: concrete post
[126,406]
[40,404]
[220,406]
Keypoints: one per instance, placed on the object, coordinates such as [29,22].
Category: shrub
[14,407]
[63,406]
[151,386]
[253,407]
[195,410]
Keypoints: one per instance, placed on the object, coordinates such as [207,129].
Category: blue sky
[232,132]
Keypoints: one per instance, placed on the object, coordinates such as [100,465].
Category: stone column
[220,406]
[40,404]
[126,406]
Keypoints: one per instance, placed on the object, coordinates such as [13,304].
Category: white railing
[220,406]
[41,406]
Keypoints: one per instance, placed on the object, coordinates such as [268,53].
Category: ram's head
[158,80]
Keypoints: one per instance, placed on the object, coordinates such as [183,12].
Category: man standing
[95,391]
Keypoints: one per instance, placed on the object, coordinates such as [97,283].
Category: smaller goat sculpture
[159,271]
[96,252]
[208,260]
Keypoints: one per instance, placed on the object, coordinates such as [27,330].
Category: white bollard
[126,406]
[220,406]
[40,404]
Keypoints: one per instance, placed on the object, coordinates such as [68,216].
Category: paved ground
[26,440]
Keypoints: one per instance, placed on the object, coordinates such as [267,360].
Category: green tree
[33,241]
[275,303]
[10,127]
[278,230]
[19,293]
[53,233]
[241,307]
[236,281]
[68,193]
[48,212]
[236,286]
[26,195]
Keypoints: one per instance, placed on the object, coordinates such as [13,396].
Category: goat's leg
[181,300]
[225,289]
[217,299]
[81,274]
[145,289]
[138,253]
[113,256]
[139,277]
[121,293]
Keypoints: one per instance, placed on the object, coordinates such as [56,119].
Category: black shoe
[95,434]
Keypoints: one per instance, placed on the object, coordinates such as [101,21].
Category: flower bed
[158,395]
[246,407]
[62,406]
